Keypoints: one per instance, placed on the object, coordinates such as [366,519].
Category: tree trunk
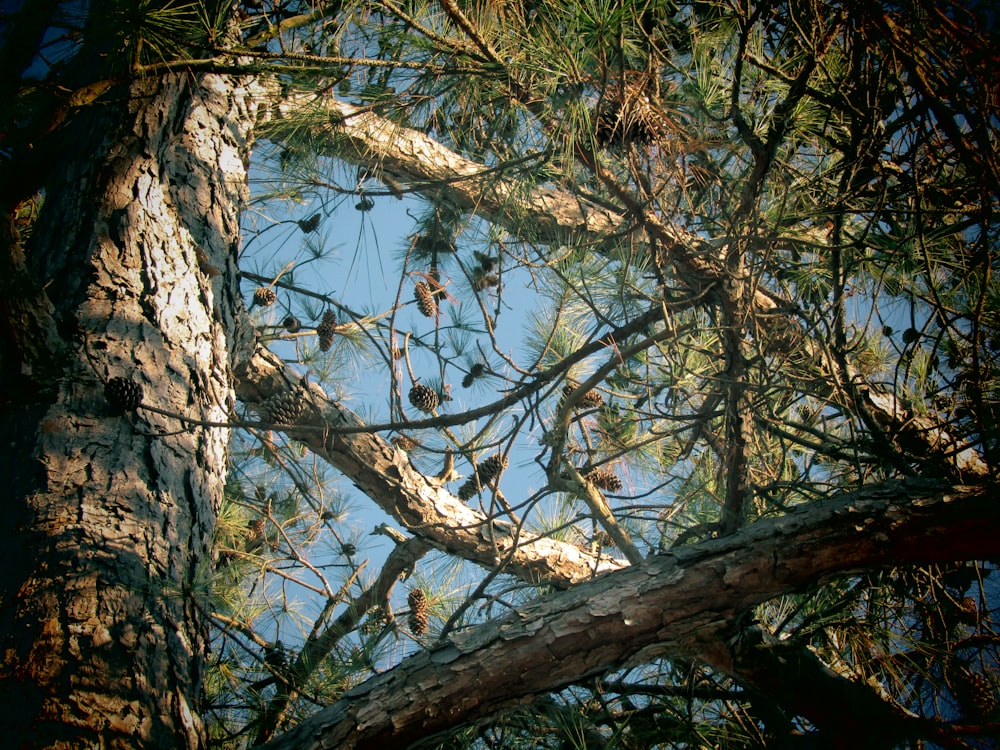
[106,531]
[677,605]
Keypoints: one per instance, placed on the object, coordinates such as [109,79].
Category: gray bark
[678,605]
[106,533]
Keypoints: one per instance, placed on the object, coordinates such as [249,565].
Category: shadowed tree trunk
[107,526]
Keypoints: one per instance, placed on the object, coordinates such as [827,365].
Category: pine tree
[731,271]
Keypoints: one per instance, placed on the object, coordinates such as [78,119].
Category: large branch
[788,680]
[678,604]
[404,155]
[388,476]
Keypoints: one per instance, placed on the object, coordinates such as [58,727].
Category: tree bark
[677,605]
[106,532]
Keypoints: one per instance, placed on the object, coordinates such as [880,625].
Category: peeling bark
[675,605]
[106,534]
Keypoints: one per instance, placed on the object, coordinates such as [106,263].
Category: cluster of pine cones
[589,400]
[627,114]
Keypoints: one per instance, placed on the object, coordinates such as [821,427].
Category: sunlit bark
[107,524]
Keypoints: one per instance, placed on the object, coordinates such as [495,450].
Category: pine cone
[491,468]
[481,280]
[605,479]
[486,262]
[589,400]
[980,694]
[123,394]
[285,407]
[309,225]
[264,296]
[326,330]
[469,489]
[424,398]
[418,618]
[626,114]
[255,534]
[476,371]
[378,619]
[425,300]
[404,442]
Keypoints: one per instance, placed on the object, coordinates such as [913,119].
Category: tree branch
[675,605]
[388,476]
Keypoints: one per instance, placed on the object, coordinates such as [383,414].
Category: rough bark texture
[678,605]
[388,476]
[106,532]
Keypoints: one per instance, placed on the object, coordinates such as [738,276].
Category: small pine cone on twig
[264,296]
[968,610]
[418,618]
[605,479]
[378,619]
[123,394]
[255,528]
[424,398]
[486,262]
[476,371]
[589,400]
[469,489]
[309,225]
[326,330]
[426,303]
[491,468]
[488,471]
[255,534]
[481,280]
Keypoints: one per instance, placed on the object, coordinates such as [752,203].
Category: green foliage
[807,154]
[806,197]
